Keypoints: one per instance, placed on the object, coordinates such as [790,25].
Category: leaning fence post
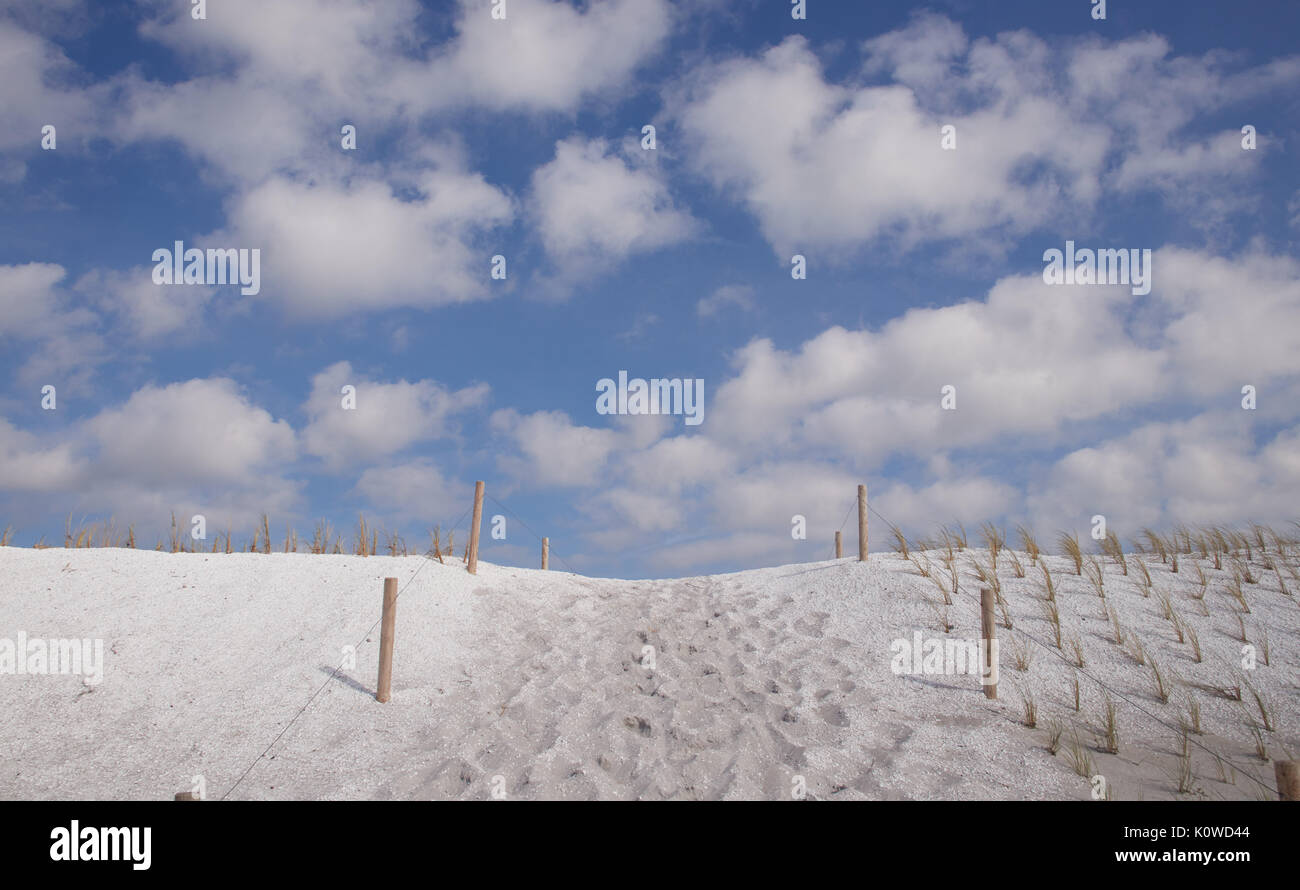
[472,557]
[387,626]
[989,647]
[839,549]
[862,523]
[1288,779]
[546,553]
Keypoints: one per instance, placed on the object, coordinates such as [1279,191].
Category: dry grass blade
[900,541]
[1112,548]
[1054,732]
[1030,718]
[944,592]
[1076,646]
[1109,725]
[1017,568]
[1080,759]
[1028,543]
[1183,776]
[1054,617]
[1095,578]
[1160,681]
[1022,656]
[1070,547]
[1117,629]
[1196,644]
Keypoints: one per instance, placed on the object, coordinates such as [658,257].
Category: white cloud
[739,295]
[970,500]
[552,451]
[414,490]
[388,417]
[199,431]
[147,311]
[330,250]
[1205,470]
[1040,127]
[37,315]
[1229,322]
[39,85]
[28,464]
[593,208]
[27,293]
[545,55]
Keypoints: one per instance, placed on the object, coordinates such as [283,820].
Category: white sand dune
[762,680]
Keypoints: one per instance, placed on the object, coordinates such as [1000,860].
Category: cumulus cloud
[1039,126]
[195,447]
[39,85]
[544,56]
[29,465]
[146,311]
[328,250]
[290,73]
[1038,369]
[592,208]
[551,451]
[199,430]
[388,417]
[38,318]
[1204,470]
[415,489]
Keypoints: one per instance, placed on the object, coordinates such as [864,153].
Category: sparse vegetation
[1109,725]
[1048,587]
[1183,776]
[1019,570]
[1080,759]
[1160,681]
[1030,718]
[1077,648]
[1054,732]
[1054,618]
[1022,655]
[900,541]
[1095,577]
[1070,547]
[1028,543]
[1112,548]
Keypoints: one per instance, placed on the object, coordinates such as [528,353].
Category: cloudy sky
[481,137]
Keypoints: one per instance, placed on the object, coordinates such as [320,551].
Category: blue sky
[775,136]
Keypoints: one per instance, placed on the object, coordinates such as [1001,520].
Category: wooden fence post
[472,557]
[387,626]
[839,549]
[546,553]
[989,649]
[1288,779]
[862,523]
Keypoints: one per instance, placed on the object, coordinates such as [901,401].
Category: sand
[520,684]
